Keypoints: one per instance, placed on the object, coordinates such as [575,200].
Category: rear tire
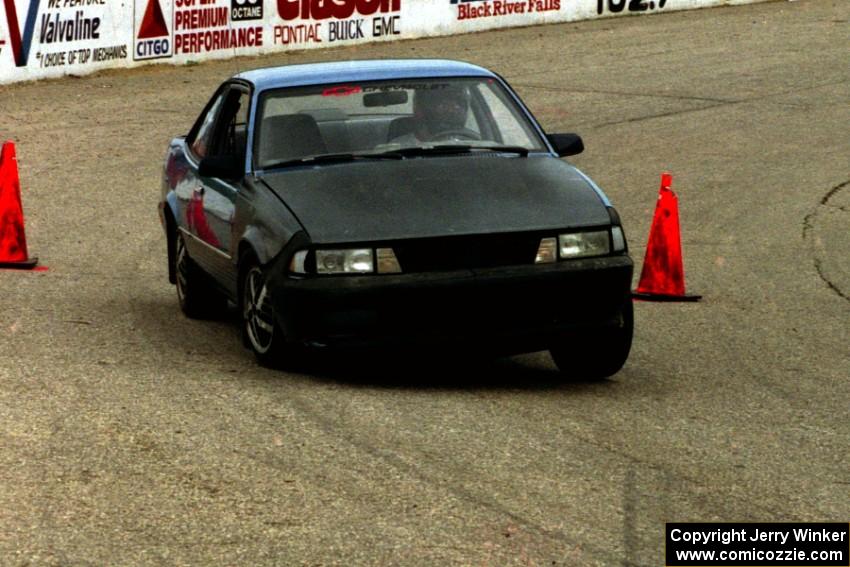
[598,354]
[197,297]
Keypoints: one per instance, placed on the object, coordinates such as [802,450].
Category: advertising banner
[50,38]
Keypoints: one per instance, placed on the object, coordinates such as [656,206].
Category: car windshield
[389,119]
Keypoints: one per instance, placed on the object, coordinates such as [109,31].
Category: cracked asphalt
[131,435]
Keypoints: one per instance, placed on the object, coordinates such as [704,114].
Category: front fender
[263,222]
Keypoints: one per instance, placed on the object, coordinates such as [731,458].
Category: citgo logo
[153,38]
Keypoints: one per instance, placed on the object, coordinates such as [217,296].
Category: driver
[438,111]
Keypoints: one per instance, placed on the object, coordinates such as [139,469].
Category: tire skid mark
[809,223]
[664,114]
[630,503]
[632,464]
[831,193]
[682,480]
[716,102]
[392,459]
[621,93]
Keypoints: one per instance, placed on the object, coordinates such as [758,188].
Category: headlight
[354,261]
[345,261]
[583,244]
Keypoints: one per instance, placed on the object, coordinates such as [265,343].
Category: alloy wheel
[257,311]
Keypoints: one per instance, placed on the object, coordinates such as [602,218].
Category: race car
[394,204]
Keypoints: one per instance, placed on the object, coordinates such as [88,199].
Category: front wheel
[260,329]
[597,354]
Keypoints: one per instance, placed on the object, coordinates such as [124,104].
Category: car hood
[437,196]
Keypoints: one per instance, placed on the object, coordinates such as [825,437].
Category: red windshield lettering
[341,91]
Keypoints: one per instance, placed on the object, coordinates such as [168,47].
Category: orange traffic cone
[663,276]
[13,241]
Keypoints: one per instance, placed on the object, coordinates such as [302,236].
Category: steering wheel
[454,134]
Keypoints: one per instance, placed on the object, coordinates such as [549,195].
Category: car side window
[203,139]
[508,128]
[233,131]
[474,120]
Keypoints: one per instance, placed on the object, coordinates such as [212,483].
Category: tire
[260,330]
[197,297]
[599,354]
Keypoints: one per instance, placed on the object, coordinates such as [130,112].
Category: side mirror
[223,167]
[566,144]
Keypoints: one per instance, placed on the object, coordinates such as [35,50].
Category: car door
[215,197]
[189,191]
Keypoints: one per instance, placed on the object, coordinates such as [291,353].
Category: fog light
[296,265]
[619,238]
[547,252]
[387,262]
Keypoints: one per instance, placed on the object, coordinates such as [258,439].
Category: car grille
[467,252]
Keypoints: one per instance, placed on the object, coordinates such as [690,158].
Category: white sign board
[51,38]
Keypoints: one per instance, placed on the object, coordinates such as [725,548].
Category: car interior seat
[401,127]
[333,124]
[289,136]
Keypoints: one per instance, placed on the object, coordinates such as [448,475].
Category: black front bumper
[511,309]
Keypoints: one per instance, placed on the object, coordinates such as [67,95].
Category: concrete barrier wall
[51,38]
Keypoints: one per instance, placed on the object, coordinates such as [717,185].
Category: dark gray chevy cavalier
[394,203]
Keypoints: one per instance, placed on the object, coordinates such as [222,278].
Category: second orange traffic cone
[663,275]
[13,240]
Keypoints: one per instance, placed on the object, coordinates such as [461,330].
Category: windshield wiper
[329,158]
[449,149]
[504,149]
[415,151]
